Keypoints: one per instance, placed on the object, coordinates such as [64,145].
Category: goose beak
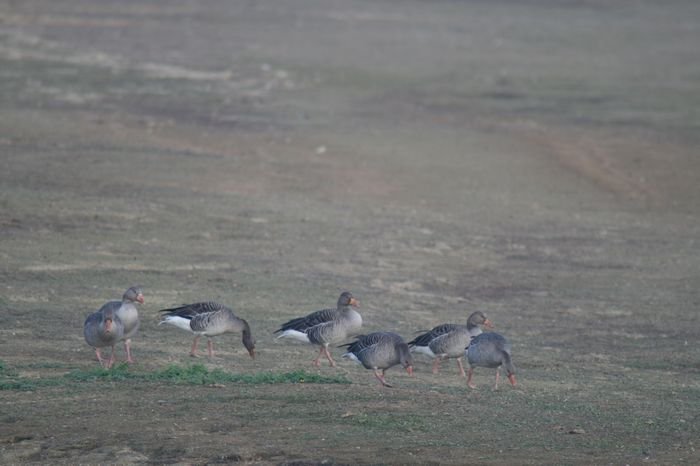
[511,377]
[409,369]
[252,353]
[139,298]
[488,324]
[354,302]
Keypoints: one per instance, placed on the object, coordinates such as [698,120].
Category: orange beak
[108,325]
[409,369]
[354,302]
[511,377]
[139,298]
[488,324]
[252,353]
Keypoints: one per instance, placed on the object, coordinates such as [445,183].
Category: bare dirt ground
[536,160]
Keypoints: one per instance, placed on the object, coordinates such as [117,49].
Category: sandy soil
[535,160]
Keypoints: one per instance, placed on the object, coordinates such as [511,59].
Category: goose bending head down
[380,350]
[490,350]
[209,319]
[325,327]
[101,329]
[447,341]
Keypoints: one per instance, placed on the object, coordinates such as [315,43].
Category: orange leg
[110,363]
[193,351]
[316,362]
[470,384]
[328,356]
[127,346]
[210,348]
[98,353]
[436,364]
[381,378]
[461,367]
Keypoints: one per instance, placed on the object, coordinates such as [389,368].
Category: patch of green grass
[10,380]
[195,374]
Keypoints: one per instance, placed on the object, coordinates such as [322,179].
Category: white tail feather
[423,350]
[352,357]
[179,322]
[295,335]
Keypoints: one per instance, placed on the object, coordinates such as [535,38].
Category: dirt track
[535,160]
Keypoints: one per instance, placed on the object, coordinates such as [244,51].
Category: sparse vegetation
[195,374]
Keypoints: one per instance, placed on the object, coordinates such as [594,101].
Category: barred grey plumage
[380,350]
[209,319]
[447,341]
[129,316]
[124,318]
[490,350]
[101,329]
[325,327]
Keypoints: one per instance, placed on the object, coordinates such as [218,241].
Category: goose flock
[118,321]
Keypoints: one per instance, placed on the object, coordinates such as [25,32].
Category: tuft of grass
[196,374]
[116,373]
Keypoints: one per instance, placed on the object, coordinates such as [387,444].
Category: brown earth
[536,160]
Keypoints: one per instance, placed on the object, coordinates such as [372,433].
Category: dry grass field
[535,160]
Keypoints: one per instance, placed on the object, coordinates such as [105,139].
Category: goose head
[405,358]
[347,299]
[134,295]
[479,319]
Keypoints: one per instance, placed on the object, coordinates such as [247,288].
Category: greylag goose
[449,340]
[490,350]
[209,319]
[101,329]
[325,327]
[380,350]
[125,310]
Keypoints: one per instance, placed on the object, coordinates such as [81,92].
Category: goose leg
[328,356]
[381,378]
[210,348]
[498,374]
[99,357]
[315,362]
[110,363]
[127,347]
[436,364]
[461,367]
[193,351]
[470,384]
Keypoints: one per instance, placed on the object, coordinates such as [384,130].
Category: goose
[101,329]
[325,327]
[125,310]
[449,340]
[490,350]
[209,319]
[380,350]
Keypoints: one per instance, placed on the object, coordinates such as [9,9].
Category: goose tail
[294,335]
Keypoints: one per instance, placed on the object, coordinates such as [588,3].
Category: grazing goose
[125,310]
[449,340]
[490,350]
[209,319]
[380,350]
[325,327]
[101,329]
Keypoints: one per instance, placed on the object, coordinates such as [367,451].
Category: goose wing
[302,324]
